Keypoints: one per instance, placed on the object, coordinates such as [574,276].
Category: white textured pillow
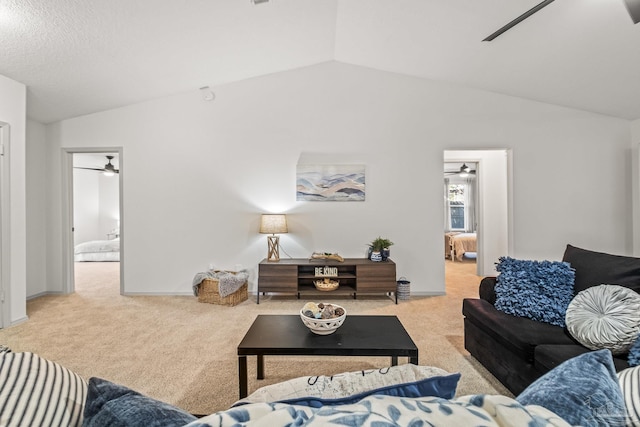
[37,392]
[342,385]
[605,316]
[630,384]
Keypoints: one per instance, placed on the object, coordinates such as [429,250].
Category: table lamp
[272,224]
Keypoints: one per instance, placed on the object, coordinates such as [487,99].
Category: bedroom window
[456,209]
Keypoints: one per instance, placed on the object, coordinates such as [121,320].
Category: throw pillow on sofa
[538,290]
[595,268]
[404,380]
[110,404]
[38,392]
[634,354]
[583,391]
[630,384]
[605,316]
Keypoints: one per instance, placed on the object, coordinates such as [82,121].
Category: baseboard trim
[19,321]
[42,294]
[158,294]
[427,294]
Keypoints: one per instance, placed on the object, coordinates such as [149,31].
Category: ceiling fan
[108,169]
[464,169]
[633,7]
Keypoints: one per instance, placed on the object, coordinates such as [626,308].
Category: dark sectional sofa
[517,350]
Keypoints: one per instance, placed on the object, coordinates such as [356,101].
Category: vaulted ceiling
[79,57]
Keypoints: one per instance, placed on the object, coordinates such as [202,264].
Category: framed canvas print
[345,183]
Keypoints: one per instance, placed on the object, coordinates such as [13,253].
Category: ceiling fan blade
[633,6]
[97,169]
[522,17]
[90,169]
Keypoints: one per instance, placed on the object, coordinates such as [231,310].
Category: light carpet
[183,352]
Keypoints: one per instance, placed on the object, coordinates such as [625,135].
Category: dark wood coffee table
[286,335]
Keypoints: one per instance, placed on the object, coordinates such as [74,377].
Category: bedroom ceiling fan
[463,171]
[633,7]
[108,170]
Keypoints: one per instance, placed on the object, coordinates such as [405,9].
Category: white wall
[13,112]
[37,164]
[109,210]
[95,205]
[86,206]
[198,174]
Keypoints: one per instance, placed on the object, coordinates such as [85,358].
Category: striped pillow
[630,384]
[36,391]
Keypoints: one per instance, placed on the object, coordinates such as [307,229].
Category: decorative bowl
[323,326]
[326,284]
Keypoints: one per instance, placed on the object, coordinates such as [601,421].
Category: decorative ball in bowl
[322,318]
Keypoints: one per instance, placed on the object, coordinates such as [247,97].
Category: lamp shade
[273,224]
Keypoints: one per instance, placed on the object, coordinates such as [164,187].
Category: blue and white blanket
[378,410]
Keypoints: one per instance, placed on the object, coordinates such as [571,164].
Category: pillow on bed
[404,380]
[538,290]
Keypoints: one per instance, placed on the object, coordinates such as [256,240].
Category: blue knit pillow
[634,353]
[538,290]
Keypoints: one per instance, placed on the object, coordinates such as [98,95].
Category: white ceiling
[79,57]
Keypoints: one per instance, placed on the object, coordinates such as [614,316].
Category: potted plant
[379,249]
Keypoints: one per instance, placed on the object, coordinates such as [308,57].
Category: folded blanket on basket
[228,282]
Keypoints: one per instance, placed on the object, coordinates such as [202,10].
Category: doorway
[493,200]
[93,214]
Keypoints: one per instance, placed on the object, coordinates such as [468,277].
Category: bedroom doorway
[94,216]
[489,221]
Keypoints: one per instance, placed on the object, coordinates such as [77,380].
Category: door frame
[68,270]
[476,155]
[5,226]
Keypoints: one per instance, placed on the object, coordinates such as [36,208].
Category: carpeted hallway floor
[184,352]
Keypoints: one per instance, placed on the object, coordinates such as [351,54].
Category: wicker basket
[208,292]
[326,285]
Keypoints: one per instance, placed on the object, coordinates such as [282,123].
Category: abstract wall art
[345,183]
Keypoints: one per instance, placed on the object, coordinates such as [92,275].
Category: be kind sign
[326,271]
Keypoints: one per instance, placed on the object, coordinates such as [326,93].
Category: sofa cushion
[583,391]
[596,268]
[404,380]
[538,290]
[519,334]
[27,381]
[548,356]
[110,404]
[605,316]
[629,380]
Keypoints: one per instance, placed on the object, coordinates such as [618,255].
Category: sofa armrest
[487,289]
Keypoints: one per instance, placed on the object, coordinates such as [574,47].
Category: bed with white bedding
[98,251]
